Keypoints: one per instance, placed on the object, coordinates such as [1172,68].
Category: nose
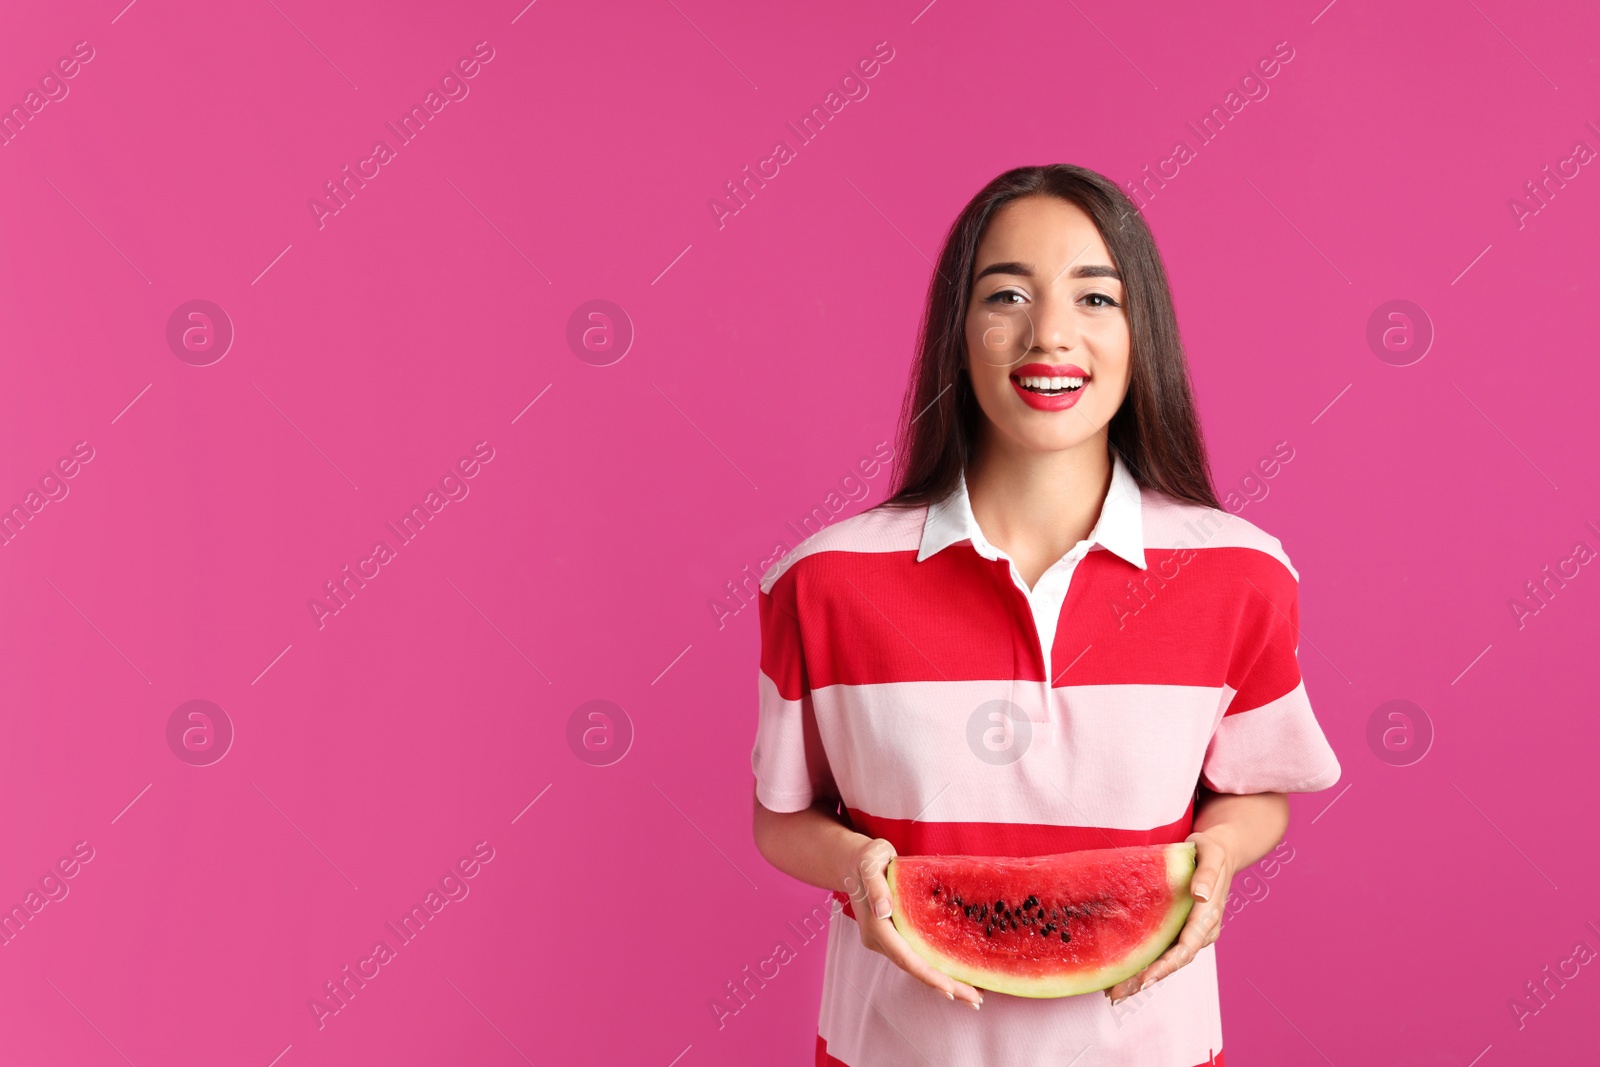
[1056,326]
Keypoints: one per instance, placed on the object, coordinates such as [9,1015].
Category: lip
[1049,370]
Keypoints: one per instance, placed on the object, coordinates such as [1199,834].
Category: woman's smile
[1049,386]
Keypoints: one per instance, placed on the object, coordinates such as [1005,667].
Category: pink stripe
[826,1060]
[1276,748]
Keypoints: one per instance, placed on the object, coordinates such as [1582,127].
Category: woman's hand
[1213,872]
[869,899]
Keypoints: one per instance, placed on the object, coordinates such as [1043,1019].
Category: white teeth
[1051,383]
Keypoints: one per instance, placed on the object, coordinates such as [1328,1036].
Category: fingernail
[1202,892]
[949,994]
[883,909]
[977,1004]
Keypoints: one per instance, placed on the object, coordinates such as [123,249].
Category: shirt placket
[1050,593]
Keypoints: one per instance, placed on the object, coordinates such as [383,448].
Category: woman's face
[1047,333]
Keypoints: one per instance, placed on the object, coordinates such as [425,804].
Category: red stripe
[1192,617]
[876,617]
[1197,617]
[780,639]
[825,1060]
[913,838]
[1268,665]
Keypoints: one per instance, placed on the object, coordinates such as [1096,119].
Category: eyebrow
[1025,270]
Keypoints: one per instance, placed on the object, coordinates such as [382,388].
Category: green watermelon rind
[1180,869]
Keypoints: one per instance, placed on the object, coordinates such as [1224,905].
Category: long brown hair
[1155,430]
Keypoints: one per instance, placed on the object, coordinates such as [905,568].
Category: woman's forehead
[1043,230]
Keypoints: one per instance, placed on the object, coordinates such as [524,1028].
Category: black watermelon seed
[988,931]
[1065,936]
[1049,928]
[935,890]
[1031,902]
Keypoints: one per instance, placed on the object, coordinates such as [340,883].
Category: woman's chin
[1060,437]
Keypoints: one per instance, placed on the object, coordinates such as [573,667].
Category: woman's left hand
[1213,872]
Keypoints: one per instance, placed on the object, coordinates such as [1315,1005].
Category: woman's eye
[1002,297]
[1104,301]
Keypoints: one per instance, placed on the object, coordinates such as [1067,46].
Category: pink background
[372,353]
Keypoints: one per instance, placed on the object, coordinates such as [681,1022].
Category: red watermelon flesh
[1043,926]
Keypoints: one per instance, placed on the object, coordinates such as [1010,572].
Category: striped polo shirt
[908,670]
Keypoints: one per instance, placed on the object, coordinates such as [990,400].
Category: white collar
[1119,529]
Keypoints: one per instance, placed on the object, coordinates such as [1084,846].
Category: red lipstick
[1049,400]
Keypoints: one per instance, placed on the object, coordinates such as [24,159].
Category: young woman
[1050,637]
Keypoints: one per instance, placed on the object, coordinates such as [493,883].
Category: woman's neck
[1036,505]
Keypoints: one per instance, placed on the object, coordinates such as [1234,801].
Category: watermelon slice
[1043,926]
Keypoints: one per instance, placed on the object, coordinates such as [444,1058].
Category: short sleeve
[790,765]
[1268,740]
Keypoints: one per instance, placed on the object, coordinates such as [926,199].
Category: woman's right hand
[869,899]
